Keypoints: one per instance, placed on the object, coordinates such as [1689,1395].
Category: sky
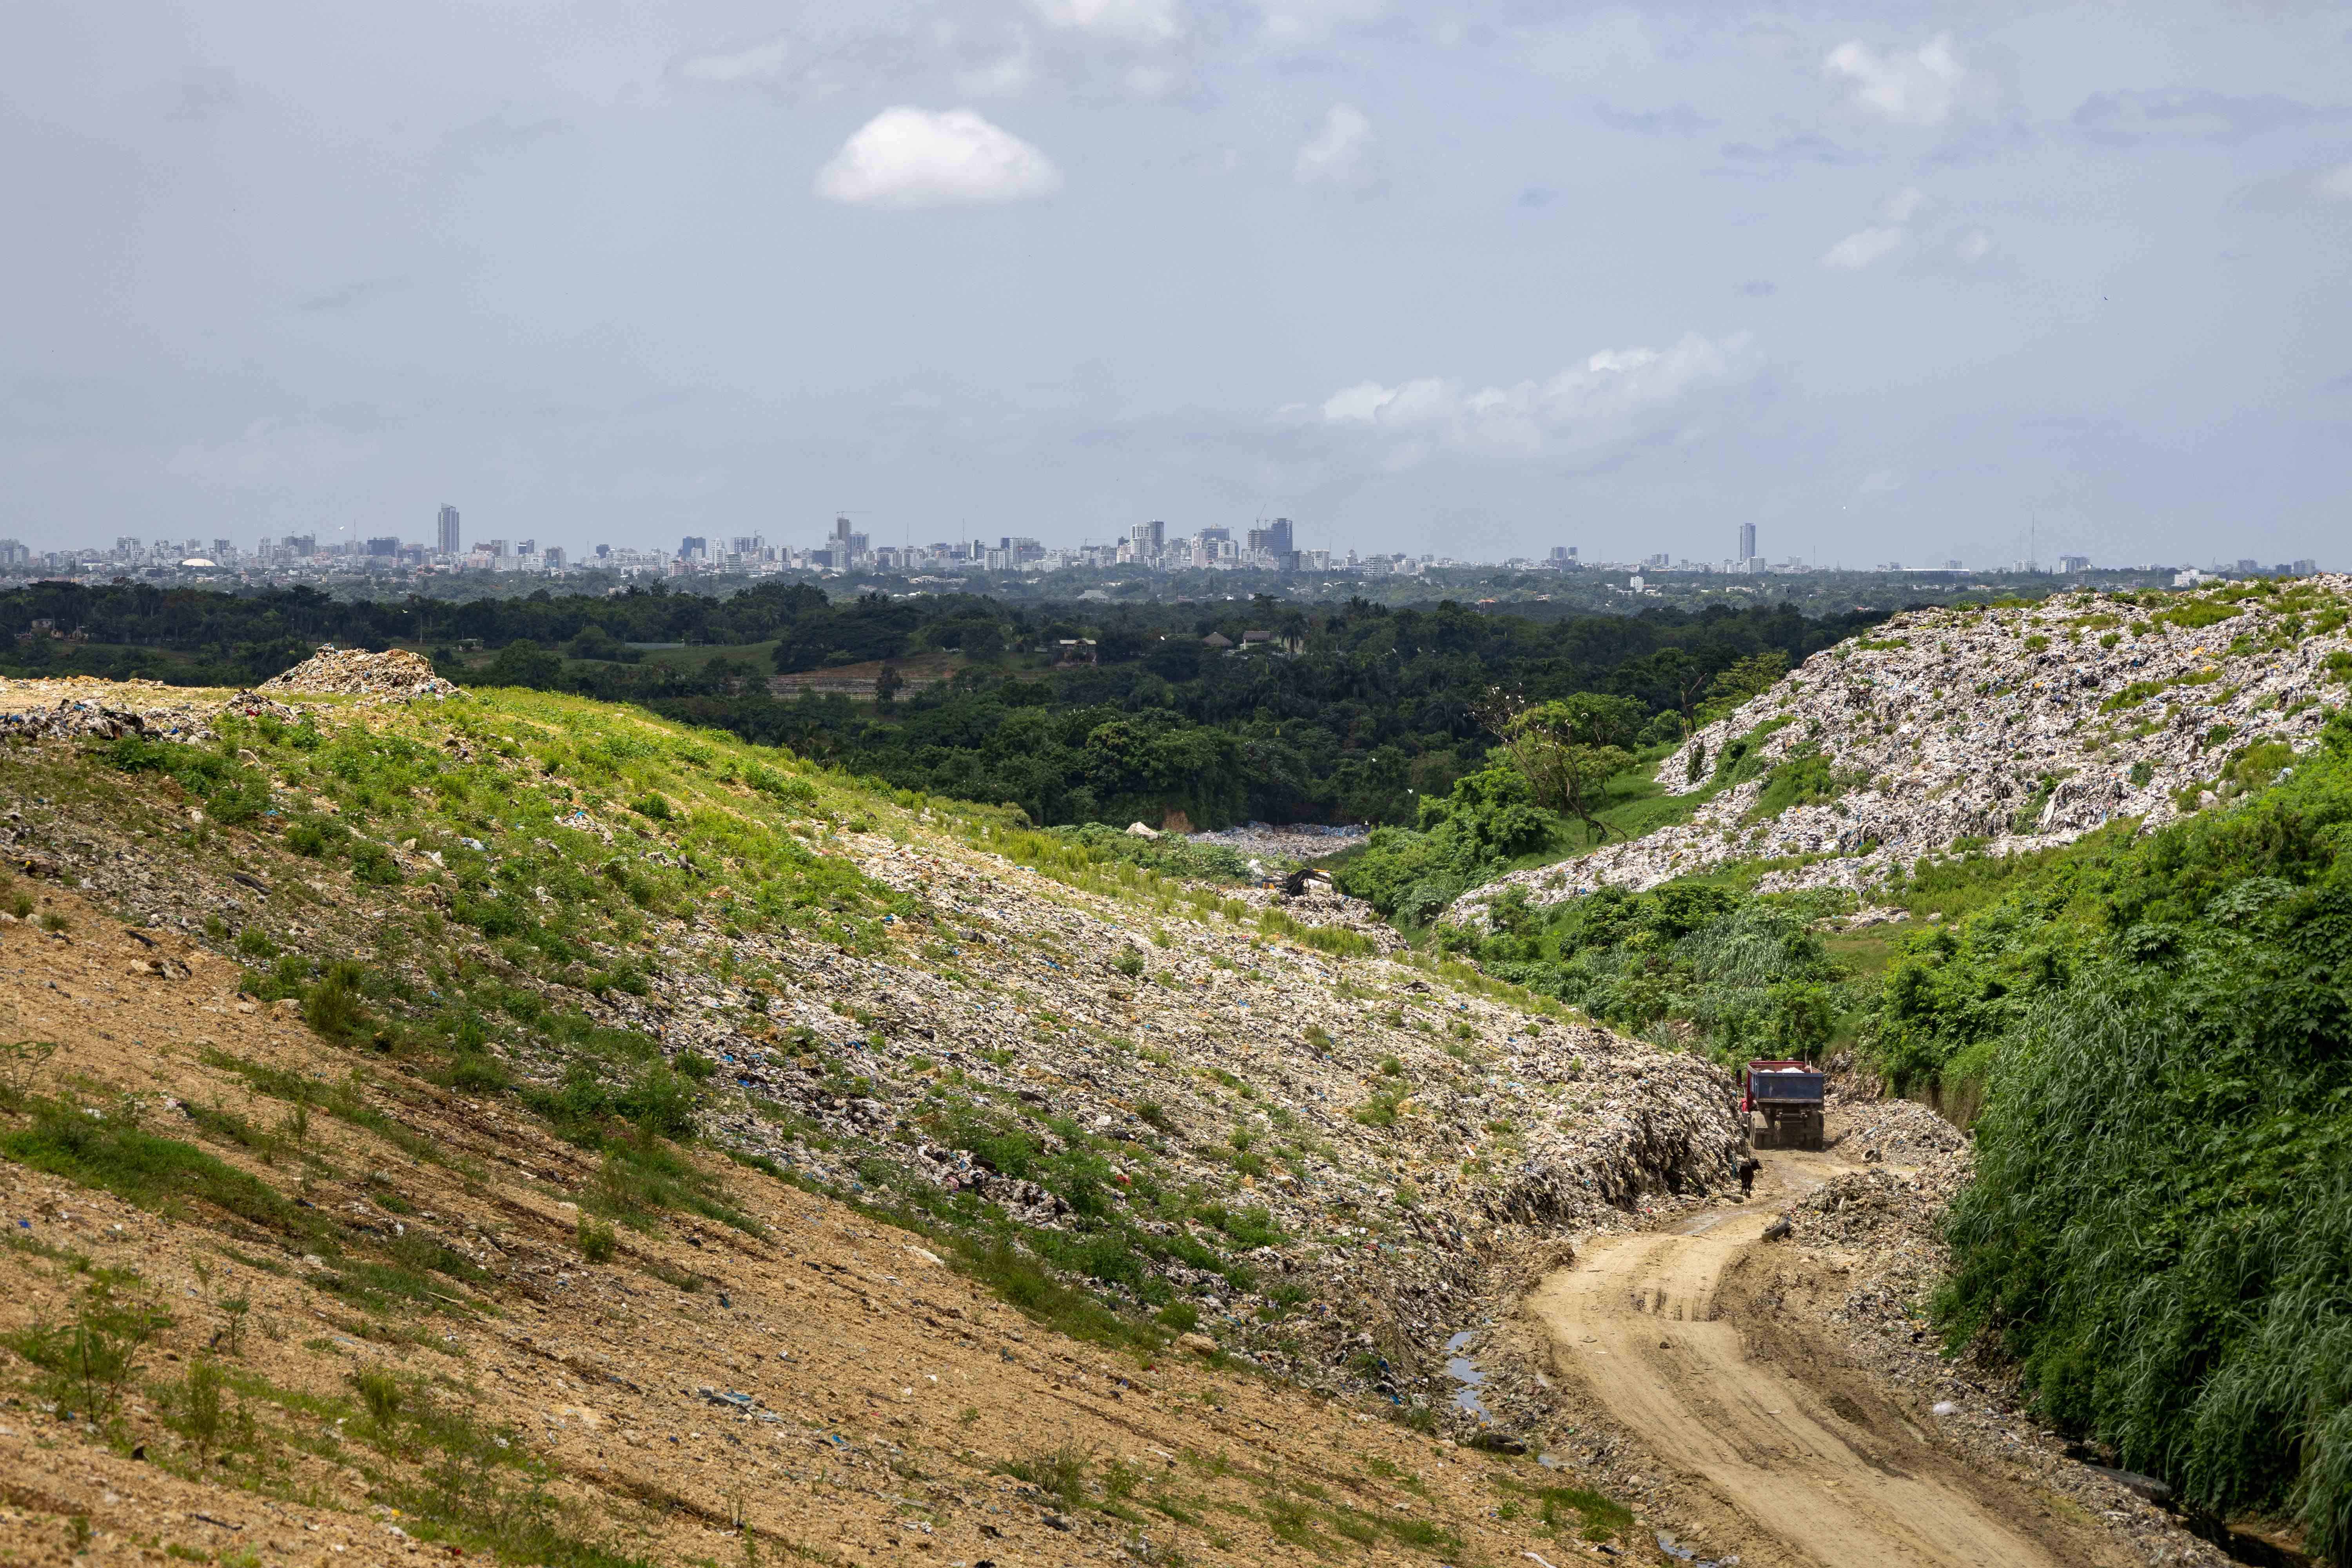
[1891,282]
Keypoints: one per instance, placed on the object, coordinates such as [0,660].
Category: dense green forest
[1354,713]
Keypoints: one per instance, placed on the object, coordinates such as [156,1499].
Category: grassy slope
[322,1292]
[439,913]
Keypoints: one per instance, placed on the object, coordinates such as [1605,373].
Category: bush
[333,1006]
[2161,1218]
[596,1240]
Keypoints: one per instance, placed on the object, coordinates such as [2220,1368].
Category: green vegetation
[1354,714]
[1467,837]
[2159,1228]
[90,1362]
[1740,975]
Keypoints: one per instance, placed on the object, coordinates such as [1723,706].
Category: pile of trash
[1387,1136]
[98,717]
[355,672]
[1896,1133]
[1318,903]
[1290,841]
[2004,729]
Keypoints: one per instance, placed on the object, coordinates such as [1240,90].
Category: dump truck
[1788,1095]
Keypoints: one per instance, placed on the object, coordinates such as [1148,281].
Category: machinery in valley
[1788,1095]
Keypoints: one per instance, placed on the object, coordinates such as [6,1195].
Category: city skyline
[1269,546]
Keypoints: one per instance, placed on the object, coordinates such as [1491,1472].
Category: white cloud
[1859,249]
[906,157]
[271,453]
[2335,184]
[1600,399]
[1340,153]
[1916,88]
[1130,21]
[1973,246]
[757,63]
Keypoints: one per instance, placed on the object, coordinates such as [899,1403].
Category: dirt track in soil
[1777,1449]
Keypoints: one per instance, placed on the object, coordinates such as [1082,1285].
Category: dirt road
[1804,1467]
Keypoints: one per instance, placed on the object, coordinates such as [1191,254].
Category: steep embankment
[2004,729]
[342,1313]
[507,953]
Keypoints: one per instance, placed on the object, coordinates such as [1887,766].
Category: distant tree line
[1354,713]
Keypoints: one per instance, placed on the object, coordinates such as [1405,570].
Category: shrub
[91,1360]
[333,1006]
[596,1240]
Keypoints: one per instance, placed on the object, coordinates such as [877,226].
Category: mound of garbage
[355,672]
[2003,729]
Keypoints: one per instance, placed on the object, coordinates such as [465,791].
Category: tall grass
[2160,1226]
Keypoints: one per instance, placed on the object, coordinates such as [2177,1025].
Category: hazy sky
[1888,282]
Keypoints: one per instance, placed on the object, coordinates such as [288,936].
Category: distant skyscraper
[1746,542]
[692,548]
[449,540]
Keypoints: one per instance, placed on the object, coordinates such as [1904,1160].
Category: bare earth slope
[384,1304]
[824,1392]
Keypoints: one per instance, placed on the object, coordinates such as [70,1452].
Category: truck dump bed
[1791,1096]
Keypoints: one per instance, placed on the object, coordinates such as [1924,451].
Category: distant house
[1254,638]
[1075,650]
[1217,640]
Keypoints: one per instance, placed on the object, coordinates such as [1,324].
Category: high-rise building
[693,547]
[384,547]
[1274,539]
[1150,538]
[1746,544]
[449,542]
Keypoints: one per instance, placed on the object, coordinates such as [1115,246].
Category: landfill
[1421,1131]
[354,672]
[99,710]
[1378,1130]
[2005,729]
[1290,841]
[1876,1237]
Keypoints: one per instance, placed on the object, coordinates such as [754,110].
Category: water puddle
[1465,1371]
